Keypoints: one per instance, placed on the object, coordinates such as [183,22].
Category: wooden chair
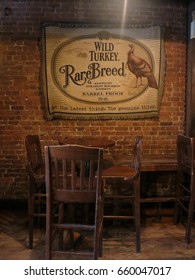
[36,183]
[73,180]
[130,195]
[185,189]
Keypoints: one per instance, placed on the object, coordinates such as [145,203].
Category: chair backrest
[73,173]
[185,154]
[137,153]
[33,151]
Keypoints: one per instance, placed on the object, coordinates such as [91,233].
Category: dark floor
[159,239]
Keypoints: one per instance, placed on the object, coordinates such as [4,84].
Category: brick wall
[21,106]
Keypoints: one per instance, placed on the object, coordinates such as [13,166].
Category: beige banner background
[93,72]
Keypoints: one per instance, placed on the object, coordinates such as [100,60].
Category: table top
[159,163]
[89,141]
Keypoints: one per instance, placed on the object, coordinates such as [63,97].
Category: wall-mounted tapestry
[102,72]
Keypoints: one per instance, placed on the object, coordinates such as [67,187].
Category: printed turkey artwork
[140,68]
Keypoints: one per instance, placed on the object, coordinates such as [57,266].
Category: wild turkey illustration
[140,68]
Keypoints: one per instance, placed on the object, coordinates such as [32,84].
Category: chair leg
[189,219]
[98,236]
[48,235]
[179,211]
[30,219]
[100,245]
[137,214]
[39,202]
[158,212]
[61,231]
[176,212]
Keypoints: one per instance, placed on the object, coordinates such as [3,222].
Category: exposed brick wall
[21,106]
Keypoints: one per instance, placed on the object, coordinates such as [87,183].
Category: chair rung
[183,206]
[119,217]
[126,198]
[184,187]
[71,252]
[39,195]
[74,226]
[39,215]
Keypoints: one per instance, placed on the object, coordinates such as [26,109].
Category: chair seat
[119,194]
[185,188]
[117,171]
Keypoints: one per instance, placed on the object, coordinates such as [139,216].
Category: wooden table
[158,163]
[99,142]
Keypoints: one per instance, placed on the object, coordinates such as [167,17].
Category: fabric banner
[102,72]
